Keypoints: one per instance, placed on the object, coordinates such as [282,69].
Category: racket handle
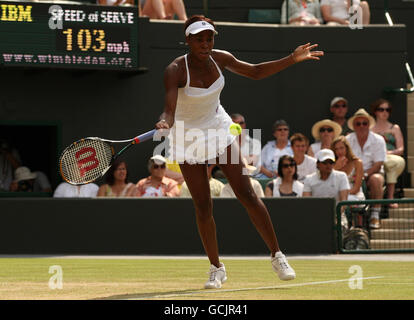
[145,136]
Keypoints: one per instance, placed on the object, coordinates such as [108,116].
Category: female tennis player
[193,83]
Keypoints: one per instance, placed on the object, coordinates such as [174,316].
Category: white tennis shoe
[216,278]
[281,267]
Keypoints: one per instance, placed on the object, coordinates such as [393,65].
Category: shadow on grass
[174,294]
[151,295]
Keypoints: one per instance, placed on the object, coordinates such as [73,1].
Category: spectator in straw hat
[28,181]
[370,148]
[324,132]
[339,110]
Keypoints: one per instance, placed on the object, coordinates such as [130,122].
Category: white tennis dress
[201,129]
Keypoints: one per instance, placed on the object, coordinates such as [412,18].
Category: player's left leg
[258,213]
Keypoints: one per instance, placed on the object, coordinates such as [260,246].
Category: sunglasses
[327,162]
[282,129]
[383,109]
[156,166]
[341,105]
[287,165]
[326,129]
[359,124]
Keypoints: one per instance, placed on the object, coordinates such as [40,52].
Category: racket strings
[85,161]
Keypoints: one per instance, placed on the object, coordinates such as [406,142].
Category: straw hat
[326,123]
[361,113]
[24,173]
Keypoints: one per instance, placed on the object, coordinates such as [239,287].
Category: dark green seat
[264,16]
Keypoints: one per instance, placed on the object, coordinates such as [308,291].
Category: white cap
[199,26]
[158,159]
[325,154]
[337,99]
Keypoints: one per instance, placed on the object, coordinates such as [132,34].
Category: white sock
[375,213]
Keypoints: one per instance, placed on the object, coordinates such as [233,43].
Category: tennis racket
[88,159]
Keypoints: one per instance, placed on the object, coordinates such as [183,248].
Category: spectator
[339,110]
[157,184]
[227,191]
[347,162]
[394,164]
[305,164]
[116,2]
[336,12]
[370,148]
[326,182]
[164,9]
[250,148]
[301,12]
[67,190]
[274,149]
[216,186]
[27,181]
[286,184]
[9,161]
[117,184]
[324,132]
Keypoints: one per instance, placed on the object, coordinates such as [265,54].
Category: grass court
[183,279]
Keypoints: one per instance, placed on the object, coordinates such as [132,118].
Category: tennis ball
[235,129]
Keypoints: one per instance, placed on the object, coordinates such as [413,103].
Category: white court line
[250,289]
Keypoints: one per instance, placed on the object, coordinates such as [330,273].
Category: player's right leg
[196,178]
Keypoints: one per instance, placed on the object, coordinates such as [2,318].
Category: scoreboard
[68,35]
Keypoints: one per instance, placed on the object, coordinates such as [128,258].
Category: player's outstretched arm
[265,69]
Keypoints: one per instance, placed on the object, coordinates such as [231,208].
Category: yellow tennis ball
[235,129]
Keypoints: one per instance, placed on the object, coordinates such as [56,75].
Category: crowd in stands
[330,12]
[351,158]
[295,12]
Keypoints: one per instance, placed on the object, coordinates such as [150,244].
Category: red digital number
[86,156]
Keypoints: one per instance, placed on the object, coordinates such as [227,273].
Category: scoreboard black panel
[68,35]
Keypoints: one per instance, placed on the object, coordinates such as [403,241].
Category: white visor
[199,26]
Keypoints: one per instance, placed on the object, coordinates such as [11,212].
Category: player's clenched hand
[162,124]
